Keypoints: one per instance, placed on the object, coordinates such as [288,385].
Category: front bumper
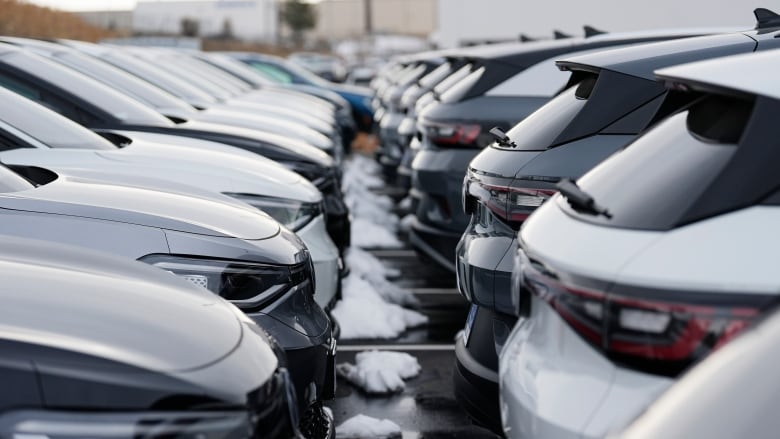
[476,366]
[325,257]
[304,331]
[555,385]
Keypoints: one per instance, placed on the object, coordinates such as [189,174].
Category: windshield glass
[120,80]
[537,131]
[45,125]
[122,108]
[541,79]
[273,73]
[158,77]
[655,181]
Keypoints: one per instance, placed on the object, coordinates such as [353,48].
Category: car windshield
[273,73]
[47,126]
[120,80]
[122,108]
[655,181]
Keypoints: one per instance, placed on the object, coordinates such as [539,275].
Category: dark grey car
[101,347]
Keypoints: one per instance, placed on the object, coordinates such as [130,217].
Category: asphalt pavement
[427,407]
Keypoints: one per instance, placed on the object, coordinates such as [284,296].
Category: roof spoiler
[591,31]
[525,38]
[766,19]
[560,35]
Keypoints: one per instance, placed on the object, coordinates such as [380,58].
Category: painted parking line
[395,347]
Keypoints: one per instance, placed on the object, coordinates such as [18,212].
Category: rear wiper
[502,139]
[579,199]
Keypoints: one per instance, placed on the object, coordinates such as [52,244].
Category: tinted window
[537,131]
[541,79]
[117,105]
[459,90]
[655,181]
[107,74]
[47,126]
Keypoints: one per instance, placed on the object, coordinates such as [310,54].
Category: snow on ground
[363,313]
[362,426]
[372,306]
[380,372]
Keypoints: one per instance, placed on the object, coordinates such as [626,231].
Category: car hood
[123,167]
[105,307]
[145,205]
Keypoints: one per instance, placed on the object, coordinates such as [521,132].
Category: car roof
[753,73]
[642,59]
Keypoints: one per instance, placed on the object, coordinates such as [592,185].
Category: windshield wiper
[580,200]
[502,139]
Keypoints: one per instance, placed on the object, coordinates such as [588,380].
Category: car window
[542,79]
[653,183]
[46,126]
[115,104]
[537,131]
[271,72]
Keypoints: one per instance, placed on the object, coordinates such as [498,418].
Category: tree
[190,27]
[299,16]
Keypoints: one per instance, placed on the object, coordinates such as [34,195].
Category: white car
[651,260]
[34,136]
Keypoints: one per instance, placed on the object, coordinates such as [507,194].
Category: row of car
[173,231]
[597,294]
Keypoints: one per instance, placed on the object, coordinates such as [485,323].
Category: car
[730,394]
[97,106]
[33,135]
[650,261]
[507,83]
[284,72]
[612,98]
[328,67]
[97,346]
[234,251]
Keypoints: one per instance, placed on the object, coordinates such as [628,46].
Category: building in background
[121,21]
[463,22]
[252,20]
[343,19]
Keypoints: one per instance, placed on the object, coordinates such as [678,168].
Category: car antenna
[591,31]
[560,35]
[501,138]
[766,18]
[579,199]
[525,38]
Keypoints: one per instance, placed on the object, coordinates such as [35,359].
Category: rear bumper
[476,389]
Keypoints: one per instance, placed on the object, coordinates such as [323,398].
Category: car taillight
[660,332]
[513,205]
[452,134]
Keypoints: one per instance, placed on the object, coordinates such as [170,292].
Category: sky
[91,5]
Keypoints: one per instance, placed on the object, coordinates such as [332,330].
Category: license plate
[469,324]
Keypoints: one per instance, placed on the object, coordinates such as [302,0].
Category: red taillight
[660,336]
[452,134]
[512,205]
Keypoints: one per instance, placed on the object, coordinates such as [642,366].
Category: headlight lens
[291,213]
[246,285]
[73,425]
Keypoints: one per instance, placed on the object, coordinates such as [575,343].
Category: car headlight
[42,424]
[247,285]
[290,213]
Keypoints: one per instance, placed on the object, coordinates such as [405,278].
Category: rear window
[653,183]
[541,79]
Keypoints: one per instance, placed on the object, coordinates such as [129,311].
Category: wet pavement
[427,407]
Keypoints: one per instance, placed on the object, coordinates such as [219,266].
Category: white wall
[470,20]
[250,19]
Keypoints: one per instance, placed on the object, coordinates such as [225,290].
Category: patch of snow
[368,234]
[362,313]
[361,171]
[365,427]
[380,372]
[367,267]
[406,203]
[362,261]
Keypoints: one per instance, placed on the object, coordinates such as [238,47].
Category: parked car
[35,136]
[731,394]
[328,67]
[612,98]
[508,82]
[235,252]
[100,347]
[284,72]
[639,269]
[97,106]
